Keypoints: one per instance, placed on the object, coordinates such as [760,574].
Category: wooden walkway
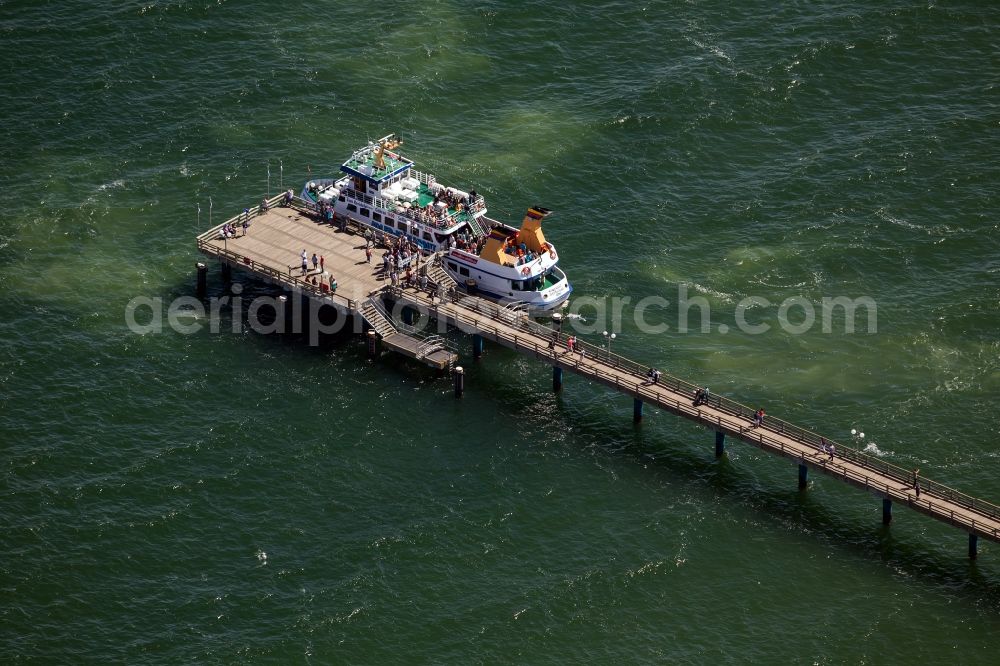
[277,238]
[724,416]
[274,244]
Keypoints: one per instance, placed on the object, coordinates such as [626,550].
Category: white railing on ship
[376,202]
[415,214]
[425,178]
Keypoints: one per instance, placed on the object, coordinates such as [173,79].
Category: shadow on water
[318,329]
[686,463]
[901,550]
[686,455]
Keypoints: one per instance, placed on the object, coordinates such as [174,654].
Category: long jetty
[270,252]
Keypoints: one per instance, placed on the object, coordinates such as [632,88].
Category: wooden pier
[271,252]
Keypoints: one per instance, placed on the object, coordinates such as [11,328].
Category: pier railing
[296,283]
[642,387]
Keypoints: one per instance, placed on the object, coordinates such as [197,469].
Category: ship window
[517,285]
[365,212]
[377,217]
[341,198]
[463,271]
[452,266]
[352,208]
[427,236]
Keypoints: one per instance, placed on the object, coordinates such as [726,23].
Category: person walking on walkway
[368,254]
[916,481]
[315,260]
[305,262]
[322,262]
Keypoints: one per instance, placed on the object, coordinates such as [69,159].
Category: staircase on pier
[431,350]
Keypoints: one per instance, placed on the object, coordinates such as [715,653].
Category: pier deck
[271,251]
[675,396]
[276,239]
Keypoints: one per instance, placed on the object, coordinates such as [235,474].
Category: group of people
[452,200]
[398,254]
[318,262]
[324,280]
[431,216]
[229,229]
[653,375]
[326,213]
[468,242]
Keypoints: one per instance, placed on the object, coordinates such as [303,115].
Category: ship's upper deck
[364,163]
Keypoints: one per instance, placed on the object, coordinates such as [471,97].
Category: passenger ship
[382,191]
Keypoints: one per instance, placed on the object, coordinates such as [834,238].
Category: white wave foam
[113,185]
[872,449]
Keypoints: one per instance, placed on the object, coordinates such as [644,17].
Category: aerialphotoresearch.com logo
[651,315]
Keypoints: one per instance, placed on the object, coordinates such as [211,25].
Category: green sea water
[243,498]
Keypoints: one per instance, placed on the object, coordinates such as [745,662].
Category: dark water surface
[248,498]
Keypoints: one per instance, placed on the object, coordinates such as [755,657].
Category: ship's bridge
[364,166]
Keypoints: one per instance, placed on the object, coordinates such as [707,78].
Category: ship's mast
[389,142]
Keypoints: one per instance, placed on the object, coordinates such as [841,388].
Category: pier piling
[636,410]
[202,288]
[281,314]
[886,511]
[227,272]
[372,343]
[803,477]
[279,233]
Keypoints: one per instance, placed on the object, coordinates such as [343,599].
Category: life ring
[525,271]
